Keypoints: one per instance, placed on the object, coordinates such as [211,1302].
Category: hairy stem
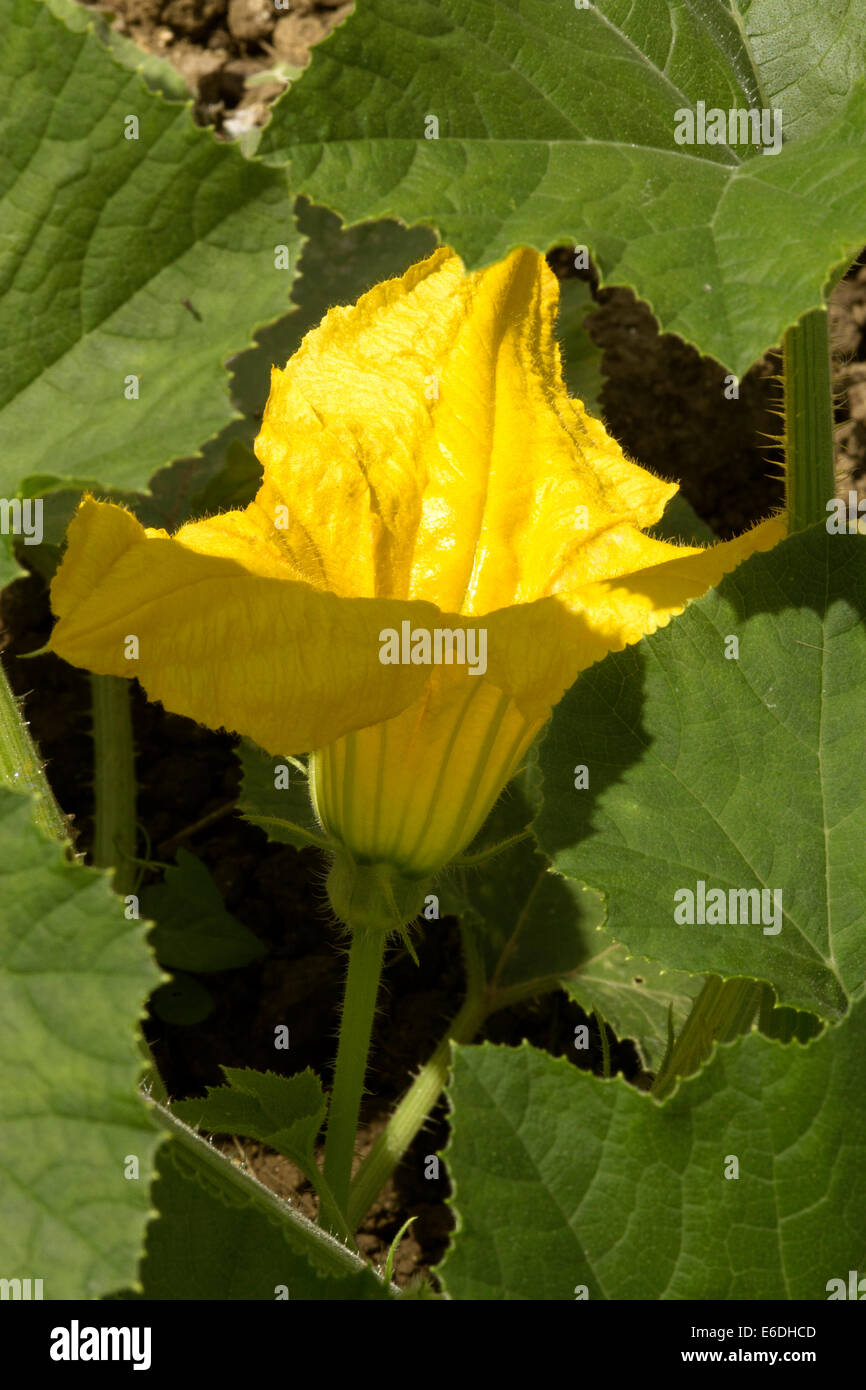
[359,1005]
[21,768]
[809,458]
[411,1113]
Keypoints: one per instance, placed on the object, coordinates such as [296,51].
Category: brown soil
[220,47]
[848,322]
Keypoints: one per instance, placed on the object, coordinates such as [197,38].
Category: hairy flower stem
[114,780]
[21,768]
[359,1006]
[411,1113]
[809,472]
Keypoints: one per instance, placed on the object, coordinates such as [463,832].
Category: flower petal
[426,447]
[537,650]
[637,584]
[437,768]
[221,637]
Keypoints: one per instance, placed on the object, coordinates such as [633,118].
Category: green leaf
[158,73]
[531,931]
[194,930]
[223,474]
[74,978]
[285,813]
[336,266]
[557,124]
[107,242]
[786,1024]
[582,359]
[57,508]
[529,928]
[532,928]
[284,1112]
[722,1011]
[562,1179]
[682,525]
[738,773]
[182,1000]
[209,1244]
[634,995]
[234,486]
[9,566]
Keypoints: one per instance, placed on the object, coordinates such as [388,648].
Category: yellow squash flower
[442,541]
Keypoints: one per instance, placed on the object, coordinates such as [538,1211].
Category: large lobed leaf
[530,931]
[564,1182]
[74,977]
[230,1249]
[740,773]
[106,243]
[556,124]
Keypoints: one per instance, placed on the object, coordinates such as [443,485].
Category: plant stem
[114,784]
[359,1005]
[114,788]
[21,768]
[411,1113]
[809,456]
[722,1011]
